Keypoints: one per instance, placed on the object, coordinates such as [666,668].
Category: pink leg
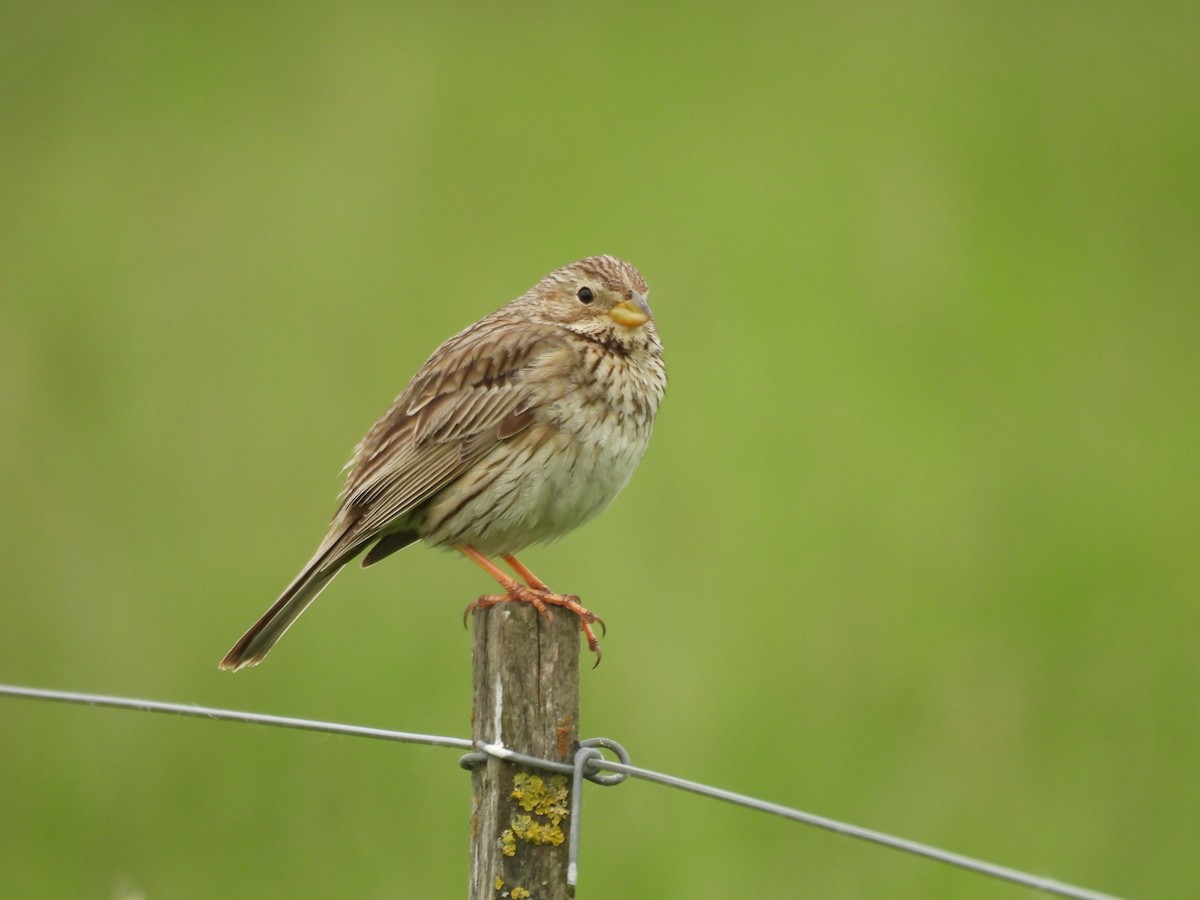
[533,592]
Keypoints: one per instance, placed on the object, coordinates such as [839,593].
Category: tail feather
[254,645]
[340,546]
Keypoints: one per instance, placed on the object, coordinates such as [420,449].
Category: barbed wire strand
[1003,873]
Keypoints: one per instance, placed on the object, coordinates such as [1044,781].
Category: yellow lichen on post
[534,832]
[547,801]
[520,893]
[508,843]
[542,799]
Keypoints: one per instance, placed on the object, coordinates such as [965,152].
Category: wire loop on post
[586,758]
[583,756]
[470,760]
[592,772]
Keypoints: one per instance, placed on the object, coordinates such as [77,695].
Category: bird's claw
[540,600]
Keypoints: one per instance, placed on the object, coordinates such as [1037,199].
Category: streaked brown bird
[515,431]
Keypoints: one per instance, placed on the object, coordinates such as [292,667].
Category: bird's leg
[534,592]
[586,616]
[529,578]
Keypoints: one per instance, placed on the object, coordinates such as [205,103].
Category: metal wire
[583,756]
[1047,885]
[588,764]
[230,715]
[588,757]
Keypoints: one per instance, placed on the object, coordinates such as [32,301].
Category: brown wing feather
[466,398]
[469,395]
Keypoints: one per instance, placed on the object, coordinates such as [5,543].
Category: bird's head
[600,296]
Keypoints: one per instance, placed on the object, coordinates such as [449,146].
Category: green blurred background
[914,545]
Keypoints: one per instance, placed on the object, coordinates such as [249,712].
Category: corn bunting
[516,430]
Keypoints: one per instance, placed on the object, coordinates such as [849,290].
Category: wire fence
[589,763]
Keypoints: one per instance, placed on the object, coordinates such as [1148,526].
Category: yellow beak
[631,313]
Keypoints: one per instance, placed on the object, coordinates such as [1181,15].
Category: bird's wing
[471,394]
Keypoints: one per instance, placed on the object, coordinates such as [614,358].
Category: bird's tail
[254,645]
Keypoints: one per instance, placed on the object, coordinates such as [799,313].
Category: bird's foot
[540,598]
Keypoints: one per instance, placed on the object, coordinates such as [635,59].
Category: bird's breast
[589,431]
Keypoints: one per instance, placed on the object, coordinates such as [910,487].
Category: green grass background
[915,544]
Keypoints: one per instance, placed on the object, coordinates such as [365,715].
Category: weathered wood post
[526,697]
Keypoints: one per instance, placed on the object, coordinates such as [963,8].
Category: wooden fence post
[526,697]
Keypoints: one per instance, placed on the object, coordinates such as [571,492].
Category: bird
[515,431]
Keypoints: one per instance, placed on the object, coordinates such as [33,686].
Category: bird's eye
[585,295]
